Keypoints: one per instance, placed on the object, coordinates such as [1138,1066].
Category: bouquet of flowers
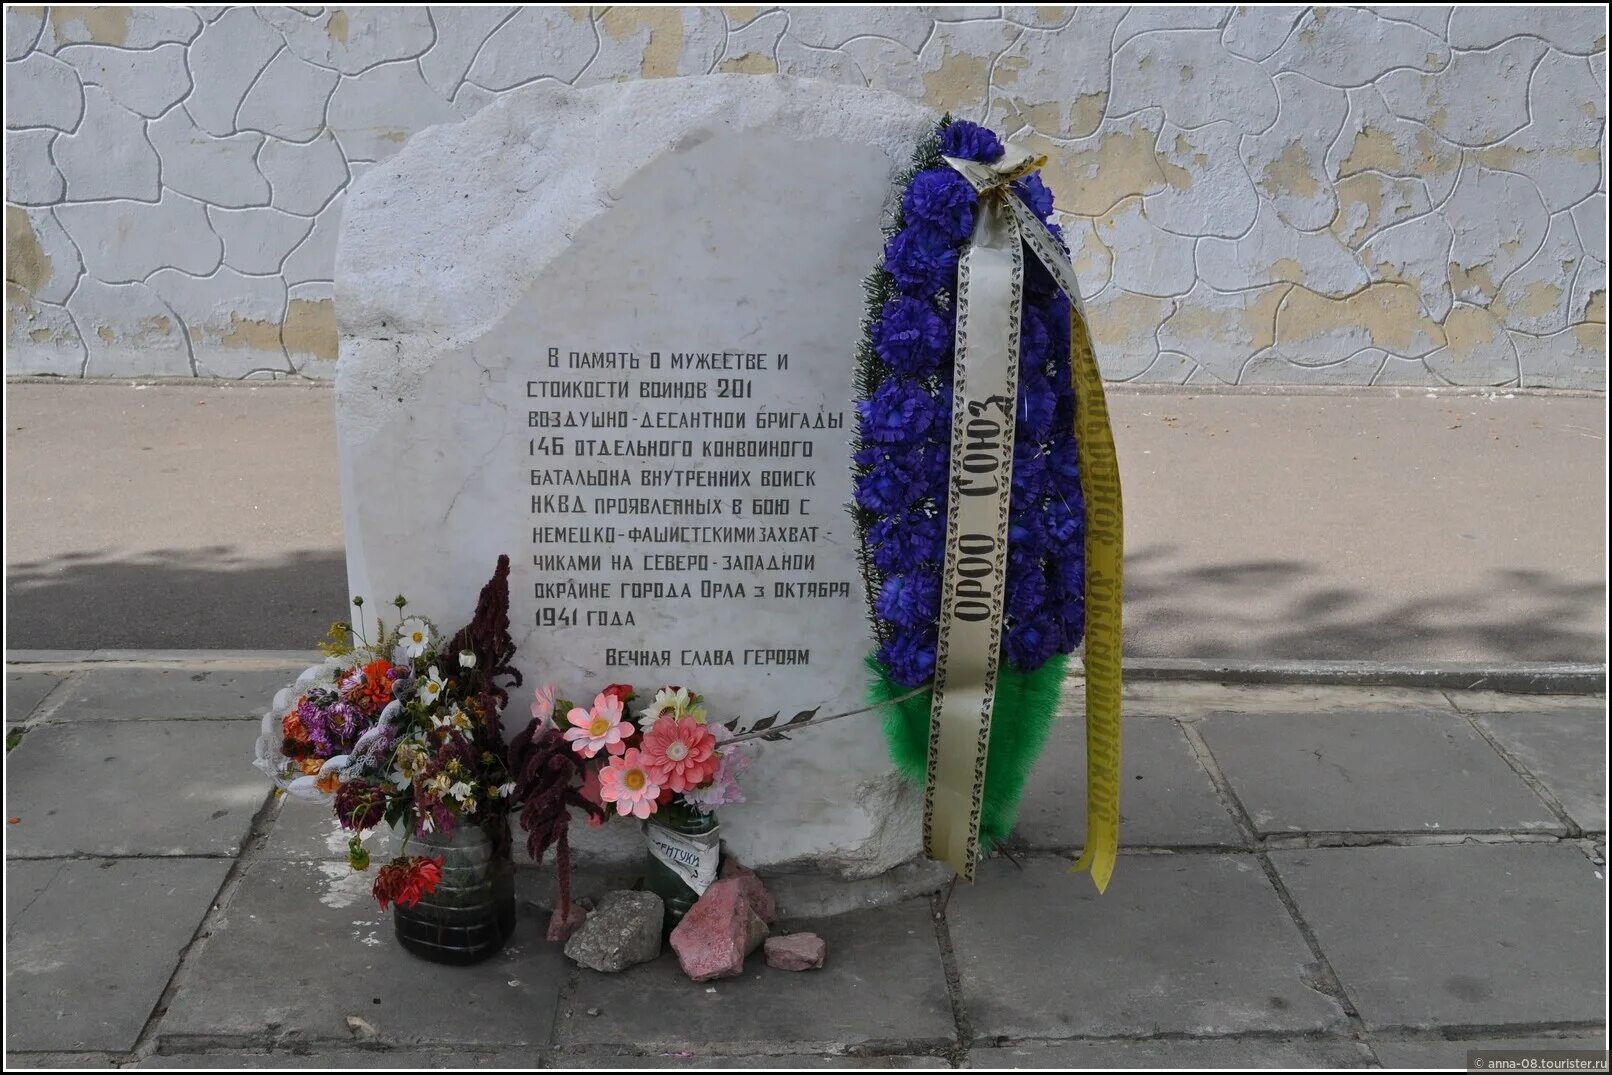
[665,763]
[402,727]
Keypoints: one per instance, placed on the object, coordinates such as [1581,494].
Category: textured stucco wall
[1405,195]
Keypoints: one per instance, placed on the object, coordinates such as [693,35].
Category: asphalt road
[1330,526]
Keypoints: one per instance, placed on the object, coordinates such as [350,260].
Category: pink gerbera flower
[680,753]
[627,783]
[600,729]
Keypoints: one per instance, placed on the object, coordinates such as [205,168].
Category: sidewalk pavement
[1410,527]
[1311,877]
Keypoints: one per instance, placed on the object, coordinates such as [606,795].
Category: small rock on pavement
[718,932]
[562,926]
[754,889]
[623,931]
[796,951]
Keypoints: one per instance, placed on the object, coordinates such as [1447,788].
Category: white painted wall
[1405,195]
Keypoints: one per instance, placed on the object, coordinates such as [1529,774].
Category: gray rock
[623,932]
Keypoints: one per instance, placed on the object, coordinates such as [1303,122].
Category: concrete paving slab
[88,960]
[695,1059]
[1177,1053]
[193,693]
[25,690]
[1457,935]
[532,1057]
[355,1058]
[1565,751]
[1180,944]
[150,787]
[883,983]
[1502,702]
[26,879]
[1371,772]
[1186,700]
[75,1061]
[1166,798]
[303,946]
[307,829]
[1453,1054]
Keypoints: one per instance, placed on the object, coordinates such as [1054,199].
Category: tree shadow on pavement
[209,598]
[1292,609]
[217,598]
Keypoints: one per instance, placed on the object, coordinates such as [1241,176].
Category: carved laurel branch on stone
[769,730]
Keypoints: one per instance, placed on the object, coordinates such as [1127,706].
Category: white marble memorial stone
[611,333]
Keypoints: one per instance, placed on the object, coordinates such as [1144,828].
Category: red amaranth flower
[360,804]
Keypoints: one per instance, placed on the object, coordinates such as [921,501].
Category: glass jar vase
[471,913]
[683,849]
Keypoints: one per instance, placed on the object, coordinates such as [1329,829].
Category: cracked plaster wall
[1400,195]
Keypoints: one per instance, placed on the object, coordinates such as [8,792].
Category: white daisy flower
[668,702]
[431,690]
[414,635]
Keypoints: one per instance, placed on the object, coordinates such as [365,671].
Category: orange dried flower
[374,689]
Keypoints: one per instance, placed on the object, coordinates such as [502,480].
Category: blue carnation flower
[910,656]
[910,337]
[900,411]
[943,200]
[1064,527]
[1027,588]
[903,543]
[1070,571]
[1032,476]
[1028,643]
[922,260]
[1034,193]
[970,141]
[1035,336]
[1064,460]
[896,480]
[911,600]
[1038,406]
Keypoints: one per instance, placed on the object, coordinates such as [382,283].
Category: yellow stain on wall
[27,264]
[1540,298]
[749,63]
[1126,316]
[663,49]
[336,26]
[959,82]
[742,15]
[1290,173]
[1595,309]
[1471,332]
[243,333]
[1475,279]
[1252,325]
[1091,180]
[1381,197]
[104,25]
[310,328]
[1373,149]
[1390,314]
